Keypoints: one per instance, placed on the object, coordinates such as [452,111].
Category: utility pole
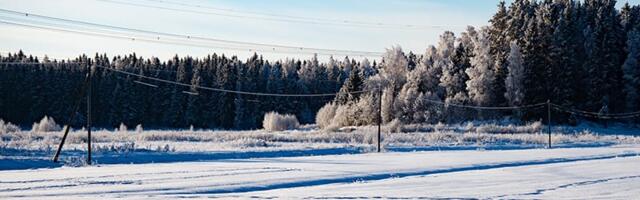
[89,116]
[549,121]
[379,115]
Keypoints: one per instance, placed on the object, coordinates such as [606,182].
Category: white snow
[605,172]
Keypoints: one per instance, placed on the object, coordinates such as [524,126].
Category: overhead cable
[177,38]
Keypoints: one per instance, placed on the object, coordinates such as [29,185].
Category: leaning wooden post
[71,116]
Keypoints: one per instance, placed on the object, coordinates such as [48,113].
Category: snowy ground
[418,161]
[31,149]
[604,172]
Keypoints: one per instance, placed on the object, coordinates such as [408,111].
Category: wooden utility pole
[89,116]
[379,115]
[549,121]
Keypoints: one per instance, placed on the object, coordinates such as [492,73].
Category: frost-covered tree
[481,74]
[453,77]
[394,67]
[429,71]
[462,61]
[325,115]
[403,106]
[367,110]
[387,105]
[515,77]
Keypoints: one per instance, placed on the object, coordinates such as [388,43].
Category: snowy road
[609,172]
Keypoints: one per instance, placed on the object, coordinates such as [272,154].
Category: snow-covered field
[34,149]
[418,161]
[604,172]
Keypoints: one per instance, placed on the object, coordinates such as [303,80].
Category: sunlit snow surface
[565,173]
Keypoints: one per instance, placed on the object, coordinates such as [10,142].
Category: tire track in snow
[138,174]
[570,185]
[382,176]
[74,182]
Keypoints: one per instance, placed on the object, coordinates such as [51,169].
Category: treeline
[578,54]
[31,88]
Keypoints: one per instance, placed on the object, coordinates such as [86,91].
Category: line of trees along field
[578,54]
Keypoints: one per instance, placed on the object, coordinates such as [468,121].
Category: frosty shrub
[6,127]
[535,127]
[325,115]
[274,121]
[139,128]
[249,143]
[47,124]
[344,116]
[75,161]
[395,126]
[122,128]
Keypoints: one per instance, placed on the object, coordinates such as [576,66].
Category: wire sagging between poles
[226,90]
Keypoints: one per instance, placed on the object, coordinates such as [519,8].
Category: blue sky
[453,13]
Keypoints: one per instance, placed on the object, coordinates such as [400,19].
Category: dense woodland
[51,88]
[577,54]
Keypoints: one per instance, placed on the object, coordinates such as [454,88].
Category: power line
[277,17]
[555,106]
[225,90]
[202,87]
[487,107]
[114,36]
[596,115]
[159,41]
[156,36]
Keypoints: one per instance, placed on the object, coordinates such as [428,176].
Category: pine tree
[562,64]
[517,21]
[499,48]
[631,69]
[193,114]
[605,55]
[353,84]
[275,85]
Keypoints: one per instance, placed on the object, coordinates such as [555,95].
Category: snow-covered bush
[325,115]
[249,143]
[75,161]
[122,128]
[274,121]
[395,126]
[7,127]
[344,116]
[47,124]
[139,128]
